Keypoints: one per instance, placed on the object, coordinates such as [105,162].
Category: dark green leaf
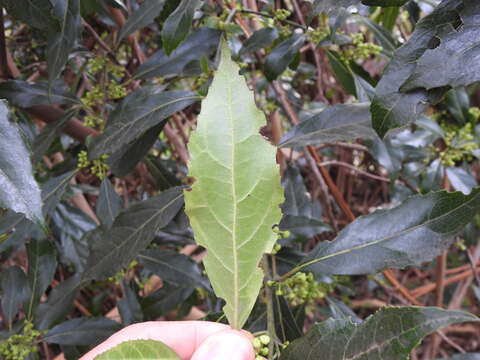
[164,300]
[177,269]
[109,204]
[287,328]
[282,55]
[42,263]
[341,311]
[48,134]
[342,72]
[23,94]
[124,160]
[391,333]
[391,108]
[383,36]
[389,17]
[163,176]
[471,356]
[81,331]
[458,103]
[259,39]
[300,215]
[53,190]
[129,306]
[409,234]
[177,26]
[62,39]
[35,13]
[141,17]
[460,179]
[345,122]
[446,64]
[321,6]
[14,286]
[131,232]
[138,112]
[139,350]
[200,43]
[18,189]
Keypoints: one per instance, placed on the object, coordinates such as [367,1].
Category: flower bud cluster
[19,346]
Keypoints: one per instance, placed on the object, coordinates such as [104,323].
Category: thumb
[228,344]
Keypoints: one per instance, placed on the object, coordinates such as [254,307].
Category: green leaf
[131,232]
[344,122]
[42,263]
[53,190]
[259,39]
[177,26]
[320,6]
[109,204]
[412,233]
[282,55]
[460,179]
[141,17]
[164,300]
[18,189]
[138,112]
[62,39]
[342,72]
[177,269]
[81,331]
[234,200]
[129,306]
[300,215]
[458,50]
[471,356]
[139,350]
[198,44]
[392,108]
[383,36]
[35,13]
[23,94]
[391,333]
[14,285]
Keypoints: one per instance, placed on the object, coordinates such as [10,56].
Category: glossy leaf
[200,43]
[131,232]
[259,39]
[141,17]
[342,72]
[35,13]
[138,112]
[300,215]
[177,269]
[392,108]
[457,50]
[109,204]
[391,333]
[460,179]
[409,234]
[18,189]
[23,94]
[231,211]
[62,40]
[53,190]
[177,26]
[81,331]
[42,263]
[345,122]
[282,55]
[139,350]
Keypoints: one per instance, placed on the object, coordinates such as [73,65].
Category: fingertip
[228,344]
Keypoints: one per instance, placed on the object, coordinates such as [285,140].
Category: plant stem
[270,314]
[293,23]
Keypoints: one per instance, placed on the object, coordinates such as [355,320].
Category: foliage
[288,167]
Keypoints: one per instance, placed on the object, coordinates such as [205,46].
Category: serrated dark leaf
[282,55]
[200,43]
[15,292]
[412,233]
[391,108]
[18,189]
[177,269]
[391,333]
[62,39]
[177,26]
[131,232]
[42,263]
[259,39]
[81,331]
[460,179]
[23,94]
[344,122]
[139,111]
[109,204]
[141,17]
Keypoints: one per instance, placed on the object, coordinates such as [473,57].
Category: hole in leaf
[434,42]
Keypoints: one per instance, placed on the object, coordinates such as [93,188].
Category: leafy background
[374,106]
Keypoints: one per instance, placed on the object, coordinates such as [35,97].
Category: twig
[351,167]
[3,49]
